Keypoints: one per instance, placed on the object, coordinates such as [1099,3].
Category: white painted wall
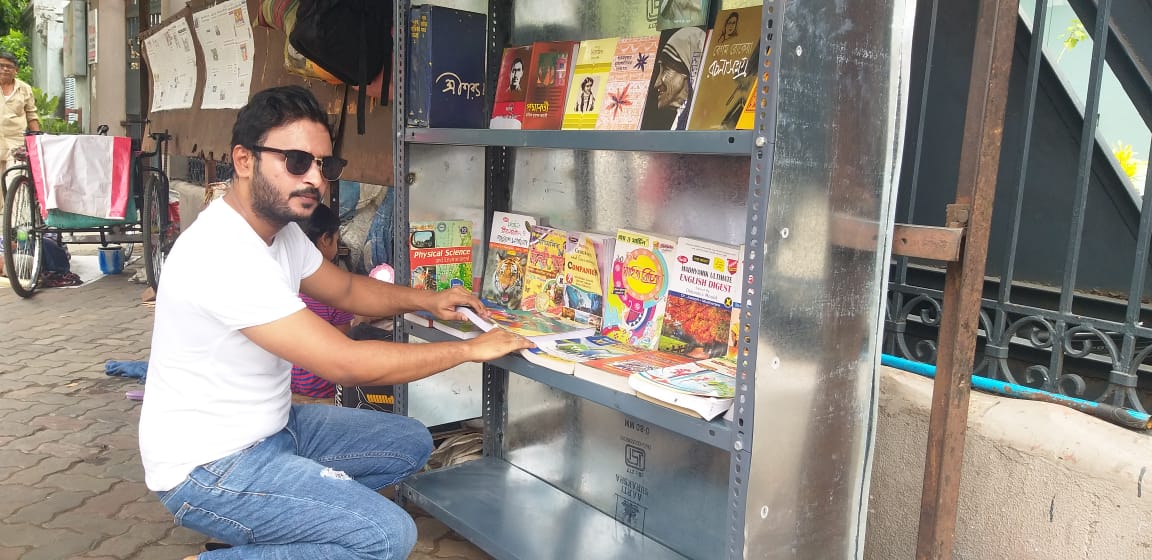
[1039,480]
[106,77]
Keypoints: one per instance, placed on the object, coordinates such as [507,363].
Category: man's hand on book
[443,304]
[496,343]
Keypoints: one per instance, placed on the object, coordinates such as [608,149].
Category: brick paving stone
[94,430]
[126,544]
[88,523]
[62,423]
[33,441]
[15,430]
[30,476]
[67,450]
[55,503]
[13,458]
[112,501]
[146,508]
[65,545]
[78,482]
[429,530]
[17,496]
[11,553]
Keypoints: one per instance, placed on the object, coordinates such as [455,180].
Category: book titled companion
[508,245]
[440,254]
[446,81]
[548,79]
[508,108]
[585,279]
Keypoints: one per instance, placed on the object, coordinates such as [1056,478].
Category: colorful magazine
[508,245]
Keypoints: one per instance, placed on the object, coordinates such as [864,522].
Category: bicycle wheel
[154,224]
[23,257]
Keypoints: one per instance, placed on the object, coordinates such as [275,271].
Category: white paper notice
[172,60]
[225,34]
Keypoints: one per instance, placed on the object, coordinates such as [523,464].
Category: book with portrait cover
[508,245]
[703,299]
[440,254]
[634,308]
[548,79]
[627,86]
[446,72]
[729,70]
[682,13]
[674,78]
[587,91]
[542,290]
[508,108]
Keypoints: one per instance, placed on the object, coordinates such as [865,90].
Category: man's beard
[267,204]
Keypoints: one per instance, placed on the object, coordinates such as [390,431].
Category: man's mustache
[307,191]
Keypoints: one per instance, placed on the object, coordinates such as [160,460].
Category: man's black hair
[323,221]
[275,107]
[10,58]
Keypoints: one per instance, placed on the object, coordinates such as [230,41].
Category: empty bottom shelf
[513,515]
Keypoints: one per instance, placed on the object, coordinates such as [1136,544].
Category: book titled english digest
[440,254]
[593,63]
[548,77]
[627,86]
[634,308]
[703,298]
[446,82]
[511,87]
[585,278]
[508,245]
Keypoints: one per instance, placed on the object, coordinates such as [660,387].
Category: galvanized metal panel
[842,67]
[649,479]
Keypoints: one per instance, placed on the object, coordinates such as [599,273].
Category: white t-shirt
[211,391]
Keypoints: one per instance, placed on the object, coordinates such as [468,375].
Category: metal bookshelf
[787,477]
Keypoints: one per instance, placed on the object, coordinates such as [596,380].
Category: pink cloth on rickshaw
[82,174]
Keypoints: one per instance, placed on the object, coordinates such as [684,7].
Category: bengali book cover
[674,78]
[446,85]
[627,87]
[508,108]
[729,70]
[549,76]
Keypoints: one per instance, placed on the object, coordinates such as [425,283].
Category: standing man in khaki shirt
[19,112]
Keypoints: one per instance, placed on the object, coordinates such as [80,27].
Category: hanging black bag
[351,39]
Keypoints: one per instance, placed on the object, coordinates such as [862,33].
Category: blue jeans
[309,491]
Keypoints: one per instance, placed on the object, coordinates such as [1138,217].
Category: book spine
[417,106]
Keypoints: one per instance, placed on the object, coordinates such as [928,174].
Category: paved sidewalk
[71,484]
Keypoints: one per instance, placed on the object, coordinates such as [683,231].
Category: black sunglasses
[298,162]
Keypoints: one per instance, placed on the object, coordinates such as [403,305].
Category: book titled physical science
[548,79]
[511,87]
[446,81]
[593,63]
[627,86]
[440,254]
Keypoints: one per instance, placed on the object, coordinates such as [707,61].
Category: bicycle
[146,218]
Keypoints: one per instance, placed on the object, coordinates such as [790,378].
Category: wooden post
[975,191]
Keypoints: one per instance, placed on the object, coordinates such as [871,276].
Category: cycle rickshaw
[146,220]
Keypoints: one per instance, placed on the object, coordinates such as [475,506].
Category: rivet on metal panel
[799,50]
[764,512]
[411,179]
[739,445]
[784,233]
[761,141]
[775,362]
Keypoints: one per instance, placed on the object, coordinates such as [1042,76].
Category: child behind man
[323,228]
